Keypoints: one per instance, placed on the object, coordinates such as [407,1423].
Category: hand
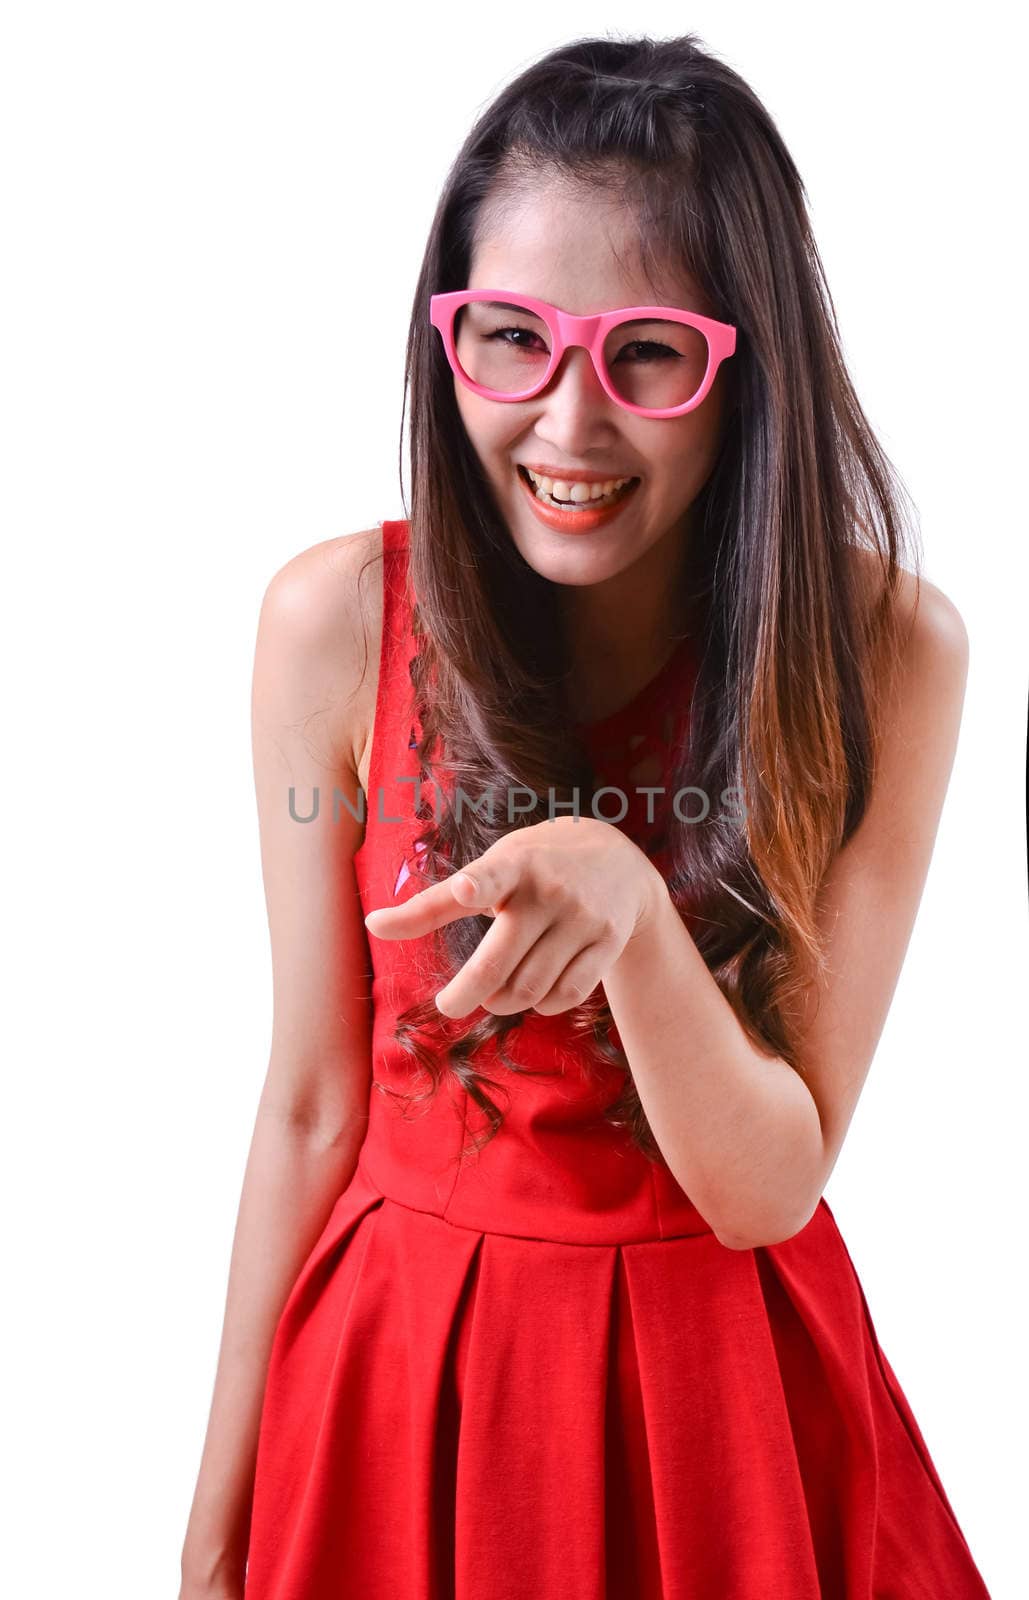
[566,896]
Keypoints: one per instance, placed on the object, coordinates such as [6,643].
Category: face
[575,248]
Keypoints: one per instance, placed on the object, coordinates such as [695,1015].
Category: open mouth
[594,503]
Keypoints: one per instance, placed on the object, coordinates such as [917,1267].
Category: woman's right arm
[312,648]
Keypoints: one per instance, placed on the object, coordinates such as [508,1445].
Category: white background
[195,199]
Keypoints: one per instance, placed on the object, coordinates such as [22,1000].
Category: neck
[619,634]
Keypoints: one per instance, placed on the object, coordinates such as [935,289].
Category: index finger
[431,908]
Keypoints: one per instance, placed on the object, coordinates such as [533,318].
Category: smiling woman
[603,1339]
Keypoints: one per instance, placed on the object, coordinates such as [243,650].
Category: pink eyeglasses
[656,361]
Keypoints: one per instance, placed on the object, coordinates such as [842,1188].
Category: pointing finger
[432,908]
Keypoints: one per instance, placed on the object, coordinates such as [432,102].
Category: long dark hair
[799,535]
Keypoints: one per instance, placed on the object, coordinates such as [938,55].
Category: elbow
[767,1230]
[756,1221]
[757,1241]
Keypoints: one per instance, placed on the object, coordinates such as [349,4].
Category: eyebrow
[501,305]
[505,305]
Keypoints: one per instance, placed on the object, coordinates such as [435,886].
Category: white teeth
[577,493]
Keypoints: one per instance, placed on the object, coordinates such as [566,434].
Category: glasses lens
[656,364]
[501,346]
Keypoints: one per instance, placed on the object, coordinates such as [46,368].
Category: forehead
[577,247]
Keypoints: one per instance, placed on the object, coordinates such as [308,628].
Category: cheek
[709,421]
[695,443]
[481,424]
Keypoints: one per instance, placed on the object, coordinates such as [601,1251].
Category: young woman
[535,1291]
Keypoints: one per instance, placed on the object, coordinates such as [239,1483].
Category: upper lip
[571,474]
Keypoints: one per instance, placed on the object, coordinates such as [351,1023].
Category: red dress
[540,1376]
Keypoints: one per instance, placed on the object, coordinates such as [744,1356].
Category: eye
[650,350]
[499,335]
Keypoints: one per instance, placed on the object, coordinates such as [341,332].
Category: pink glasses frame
[588,333]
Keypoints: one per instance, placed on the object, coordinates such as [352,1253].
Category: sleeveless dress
[539,1375]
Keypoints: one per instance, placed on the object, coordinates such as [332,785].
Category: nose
[573,400]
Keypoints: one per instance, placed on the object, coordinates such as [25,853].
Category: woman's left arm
[751,1141]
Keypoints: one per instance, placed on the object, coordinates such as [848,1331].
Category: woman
[534,1289]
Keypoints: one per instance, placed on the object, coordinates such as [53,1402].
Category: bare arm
[751,1142]
[312,1114]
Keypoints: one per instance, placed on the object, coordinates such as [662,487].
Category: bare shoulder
[932,629]
[319,633]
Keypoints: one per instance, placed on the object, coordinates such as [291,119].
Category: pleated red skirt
[453,1412]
